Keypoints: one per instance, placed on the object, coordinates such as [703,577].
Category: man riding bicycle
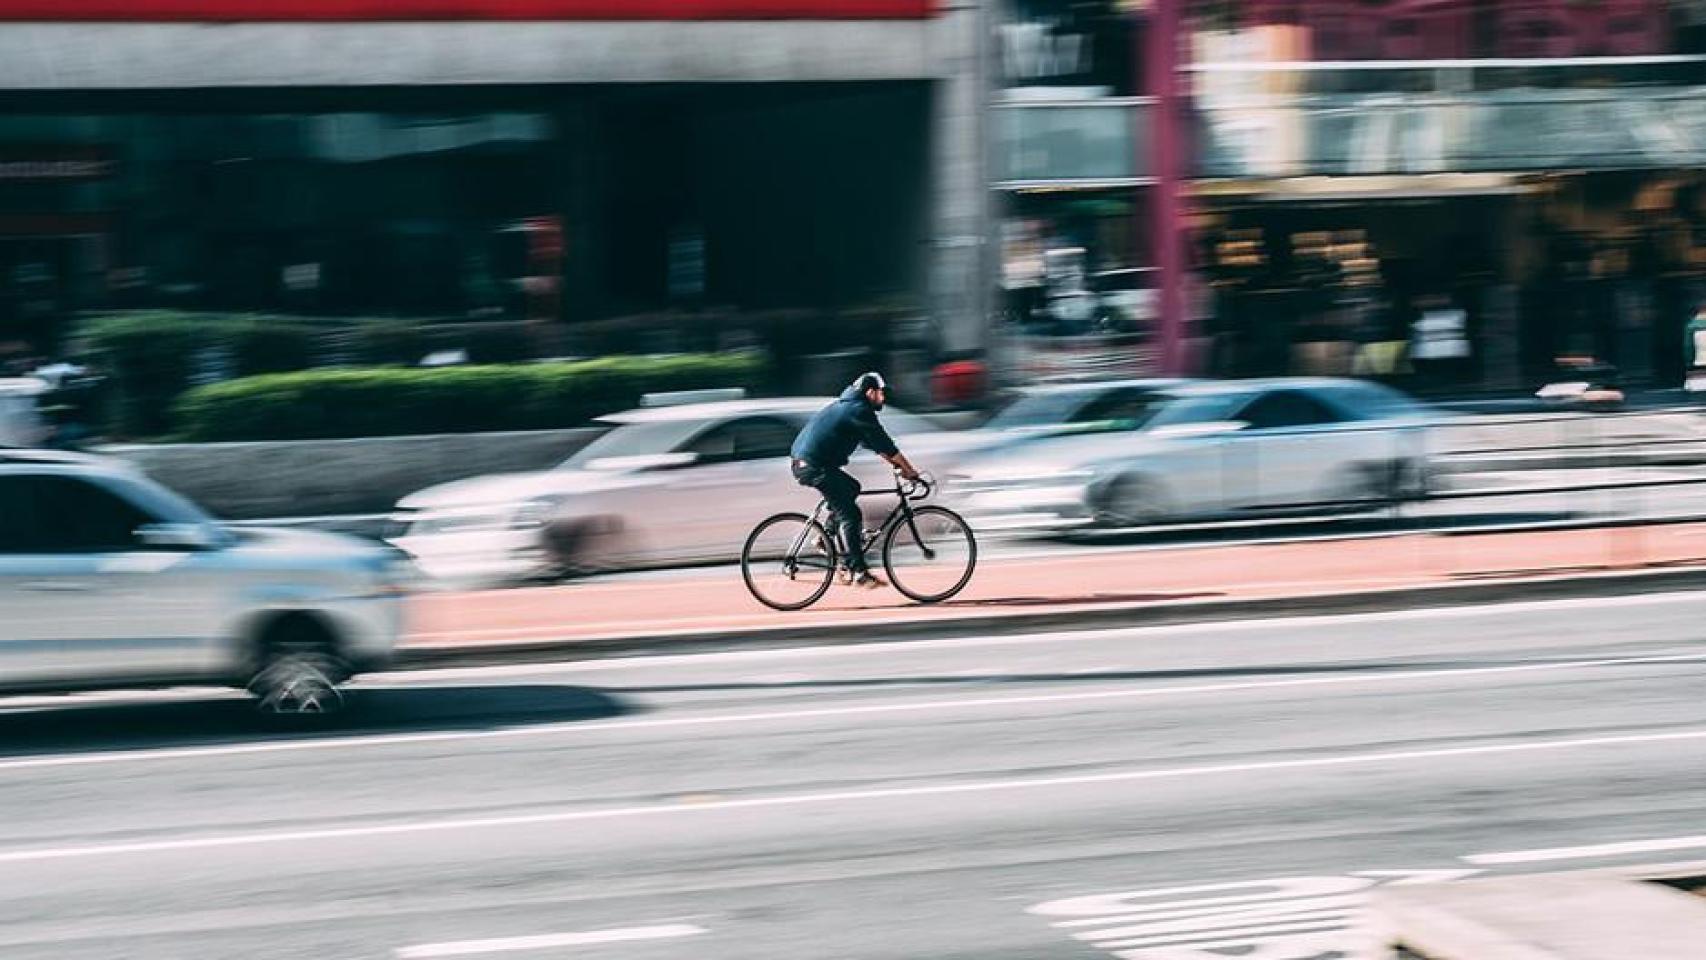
[822,449]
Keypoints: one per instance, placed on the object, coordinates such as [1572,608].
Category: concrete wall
[241,481]
[306,478]
[81,56]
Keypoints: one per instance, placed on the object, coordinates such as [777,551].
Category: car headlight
[395,575]
[534,513]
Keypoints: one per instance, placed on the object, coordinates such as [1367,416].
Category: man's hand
[900,463]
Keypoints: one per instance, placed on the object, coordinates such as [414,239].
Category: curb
[1607,584]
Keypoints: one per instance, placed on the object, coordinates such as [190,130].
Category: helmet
[871,381]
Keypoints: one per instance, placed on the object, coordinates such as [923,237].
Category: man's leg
[842,493]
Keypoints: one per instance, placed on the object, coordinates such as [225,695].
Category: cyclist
[821,451]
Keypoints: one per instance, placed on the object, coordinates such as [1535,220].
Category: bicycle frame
[902,511]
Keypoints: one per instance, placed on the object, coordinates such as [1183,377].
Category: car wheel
[1131,501]
[298,672]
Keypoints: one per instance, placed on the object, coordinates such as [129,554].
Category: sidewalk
[1218,582]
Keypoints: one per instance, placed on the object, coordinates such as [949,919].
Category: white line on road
[817,713]
[470,948]
[1587,852]
[43,854]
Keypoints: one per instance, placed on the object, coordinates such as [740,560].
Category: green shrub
[153,356]
[390,401]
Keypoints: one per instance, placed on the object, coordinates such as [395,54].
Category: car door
[741,478]
[84,600]
[1295,448]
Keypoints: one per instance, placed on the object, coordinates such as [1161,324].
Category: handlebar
[917,489]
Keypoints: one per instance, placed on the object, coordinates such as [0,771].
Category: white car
[1205,450]
[664,485]
[108,579]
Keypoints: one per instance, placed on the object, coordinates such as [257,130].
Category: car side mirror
[178,536]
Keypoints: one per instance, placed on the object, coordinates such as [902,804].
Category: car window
[637,440]
[1283,409]
[1372,401]
[67,515]
[1207,408]
[763,438]
[1131,407]
[1041,410]
[21,529]
[716,445]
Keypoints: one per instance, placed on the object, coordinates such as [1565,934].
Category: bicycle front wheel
[930,558]
[788,562]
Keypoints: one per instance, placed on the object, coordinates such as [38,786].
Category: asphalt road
[1163,794]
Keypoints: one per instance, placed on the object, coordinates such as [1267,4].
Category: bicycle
[929,552]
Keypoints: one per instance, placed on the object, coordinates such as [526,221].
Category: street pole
[1161,53]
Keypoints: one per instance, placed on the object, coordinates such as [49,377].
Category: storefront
[1077,278]
[540,160]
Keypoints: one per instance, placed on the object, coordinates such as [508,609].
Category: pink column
[1163,59]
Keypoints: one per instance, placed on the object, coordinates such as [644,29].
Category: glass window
[54,514]
[763,439]
[85,518]
[716,445]
[21,529]
[637,440]
[1283,409]
[1129,407]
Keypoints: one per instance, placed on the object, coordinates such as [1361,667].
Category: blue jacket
[834,432]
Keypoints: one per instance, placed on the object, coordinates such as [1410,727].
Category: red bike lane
[716,602]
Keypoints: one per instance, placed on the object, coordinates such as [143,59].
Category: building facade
[1528,167]
[559,160]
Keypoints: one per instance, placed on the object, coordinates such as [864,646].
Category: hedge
[319,404]
[153,355]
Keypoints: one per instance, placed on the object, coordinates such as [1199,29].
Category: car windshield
[1203,408]
[1090,409]
[1040,409]
[636,440]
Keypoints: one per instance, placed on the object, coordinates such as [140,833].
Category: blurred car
[21,420]
[1197,450]
[1076,405]
[108,579]
[663,485]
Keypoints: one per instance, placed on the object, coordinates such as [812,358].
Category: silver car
[663,485]
[108,579]
[1205,450]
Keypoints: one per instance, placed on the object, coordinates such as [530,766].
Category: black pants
[841,491]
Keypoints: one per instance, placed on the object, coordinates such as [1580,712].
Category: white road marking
[887,649]
[816,713]
[41,854]
[1586,852]
[471,948]
[1279,918]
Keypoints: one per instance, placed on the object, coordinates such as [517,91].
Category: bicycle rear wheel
[931,558]
[788,562]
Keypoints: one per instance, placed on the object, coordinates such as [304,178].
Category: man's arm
[899,462]
[878,439]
